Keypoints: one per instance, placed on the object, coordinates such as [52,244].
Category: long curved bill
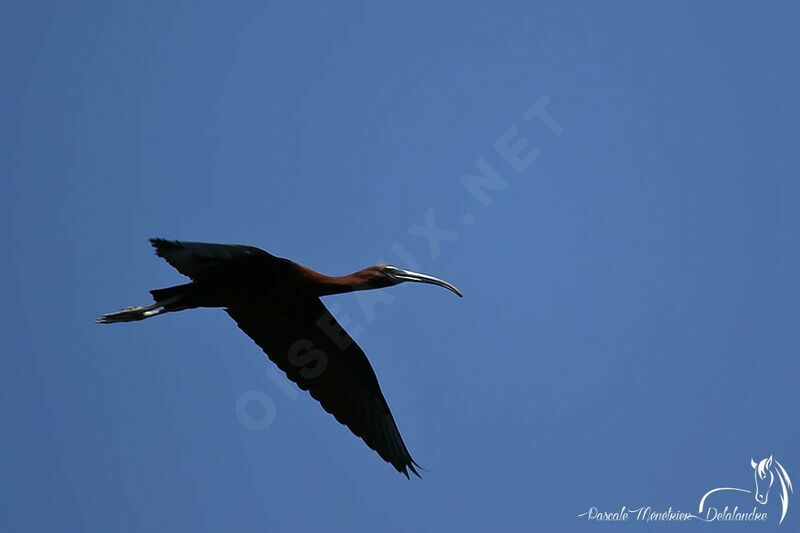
[407,275]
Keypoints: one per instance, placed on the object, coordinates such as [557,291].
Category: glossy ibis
[276,302]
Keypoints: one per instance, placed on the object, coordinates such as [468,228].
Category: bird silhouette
[276,302]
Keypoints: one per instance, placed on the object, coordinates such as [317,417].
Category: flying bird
[276,302]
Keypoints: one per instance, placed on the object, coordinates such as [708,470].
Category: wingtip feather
[160,244]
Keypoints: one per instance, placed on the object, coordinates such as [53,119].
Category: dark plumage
[276,302]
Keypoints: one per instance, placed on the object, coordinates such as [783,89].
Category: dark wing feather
[193,258]
[339,375]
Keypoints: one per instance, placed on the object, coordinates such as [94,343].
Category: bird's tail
[170,294]
[166,300]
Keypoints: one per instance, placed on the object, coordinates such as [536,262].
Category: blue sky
[629,332]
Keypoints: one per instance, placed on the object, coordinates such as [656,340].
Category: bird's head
[389,275]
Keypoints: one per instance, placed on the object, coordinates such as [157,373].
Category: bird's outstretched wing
[193,258]
[316,353]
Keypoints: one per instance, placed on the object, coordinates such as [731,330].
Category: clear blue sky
[629,332]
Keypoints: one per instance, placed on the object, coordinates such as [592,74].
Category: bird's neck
[329,285]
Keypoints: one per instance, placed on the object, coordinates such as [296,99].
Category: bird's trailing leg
[132,314]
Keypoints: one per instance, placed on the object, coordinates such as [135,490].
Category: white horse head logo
[765,472]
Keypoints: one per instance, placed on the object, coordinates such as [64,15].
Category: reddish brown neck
[327,285]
